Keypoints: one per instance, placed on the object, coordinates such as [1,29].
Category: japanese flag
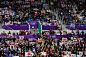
[64,55]
[63,5]
[53,20]
[10,11]
[6,16]
[28,54]
[10,23]
[42,11]
[81,53]
[64,52]
[73,55]
[49,23]
[15,56]
[74,40]
[69,5]
[16,43]
[0,17]
[21,37]
[64,39]
[48,10]
[1,13]
[47,33]
[39,41]
[9,6]
[56,23]
[6,11]
[6,23]
[12,43]
[3,49]
[43,53]
[67,52]
[11,46]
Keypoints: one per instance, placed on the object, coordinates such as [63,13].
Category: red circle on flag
[29,54]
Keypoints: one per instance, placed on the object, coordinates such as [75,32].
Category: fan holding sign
[72,25]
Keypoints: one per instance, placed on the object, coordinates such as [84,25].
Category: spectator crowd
[69,12]
[43,46]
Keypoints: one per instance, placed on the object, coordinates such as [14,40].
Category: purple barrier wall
[38,36]
[33,24]
[6,27]
[16,27]
[81,27]
[58,36]
[47,27]
[33,37]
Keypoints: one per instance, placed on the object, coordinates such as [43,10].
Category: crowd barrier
[17,36]
[16,27]
[38,36]
[81,27]
[65,36]
[48,27]
[33,24]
